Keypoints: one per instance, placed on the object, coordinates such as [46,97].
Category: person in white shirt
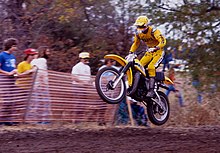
[40,105]
[40,60]
[82,70]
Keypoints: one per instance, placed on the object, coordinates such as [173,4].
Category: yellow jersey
[23,66]
[25,81]
[152,38]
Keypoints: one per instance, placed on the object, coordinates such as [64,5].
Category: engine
[141,92]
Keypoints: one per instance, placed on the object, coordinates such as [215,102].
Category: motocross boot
[151,93]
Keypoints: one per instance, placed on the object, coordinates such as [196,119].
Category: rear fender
[122,62]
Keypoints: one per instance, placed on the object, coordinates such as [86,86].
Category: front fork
[122,73]
[157,100]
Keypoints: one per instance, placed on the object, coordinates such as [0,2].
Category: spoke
[106,80]
[158,113]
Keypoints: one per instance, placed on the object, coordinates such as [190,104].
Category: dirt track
[107,140]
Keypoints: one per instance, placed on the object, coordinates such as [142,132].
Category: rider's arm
[135,44]
[160,38]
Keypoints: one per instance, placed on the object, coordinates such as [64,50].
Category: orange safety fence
[50,96]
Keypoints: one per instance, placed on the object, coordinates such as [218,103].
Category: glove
[131,55]
[153,49]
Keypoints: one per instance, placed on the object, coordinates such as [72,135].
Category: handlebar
[148,50]
[139,52]
[135,54]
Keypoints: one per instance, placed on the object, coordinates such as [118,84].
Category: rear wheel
[104,82]
[157,115]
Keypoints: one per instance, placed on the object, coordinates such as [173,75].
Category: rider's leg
[157,58]
[145,60]
[151,87]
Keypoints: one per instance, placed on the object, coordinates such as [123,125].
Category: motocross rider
[155,42]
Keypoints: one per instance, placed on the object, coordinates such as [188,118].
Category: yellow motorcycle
[111,86]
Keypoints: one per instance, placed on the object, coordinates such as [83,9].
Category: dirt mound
[122,139]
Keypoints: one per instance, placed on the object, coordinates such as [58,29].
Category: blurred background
[192,28]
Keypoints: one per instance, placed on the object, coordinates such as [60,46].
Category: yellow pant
[152,60]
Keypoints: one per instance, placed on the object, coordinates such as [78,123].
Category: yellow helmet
[141,21]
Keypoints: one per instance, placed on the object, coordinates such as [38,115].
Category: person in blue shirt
[7,70]
[7,59]
[167,58]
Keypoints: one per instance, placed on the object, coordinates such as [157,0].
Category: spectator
[138,112]
[41,58]
[213,88]
[25,66]
[7,59]
[24,80]
[171,75]
[82,70]
[8,69]
[167,58]
[197,85]
[40,106]
[81,73]
[122,116]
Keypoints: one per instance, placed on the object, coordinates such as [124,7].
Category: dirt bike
[111,86]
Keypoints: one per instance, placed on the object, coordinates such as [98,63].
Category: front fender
[122,62]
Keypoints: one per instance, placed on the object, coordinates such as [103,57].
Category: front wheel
[157,115]
[104,83]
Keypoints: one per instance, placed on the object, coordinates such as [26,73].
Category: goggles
[141,27]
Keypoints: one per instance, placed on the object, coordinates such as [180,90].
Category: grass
[193,113]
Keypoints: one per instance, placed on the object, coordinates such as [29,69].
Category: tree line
[105,26]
